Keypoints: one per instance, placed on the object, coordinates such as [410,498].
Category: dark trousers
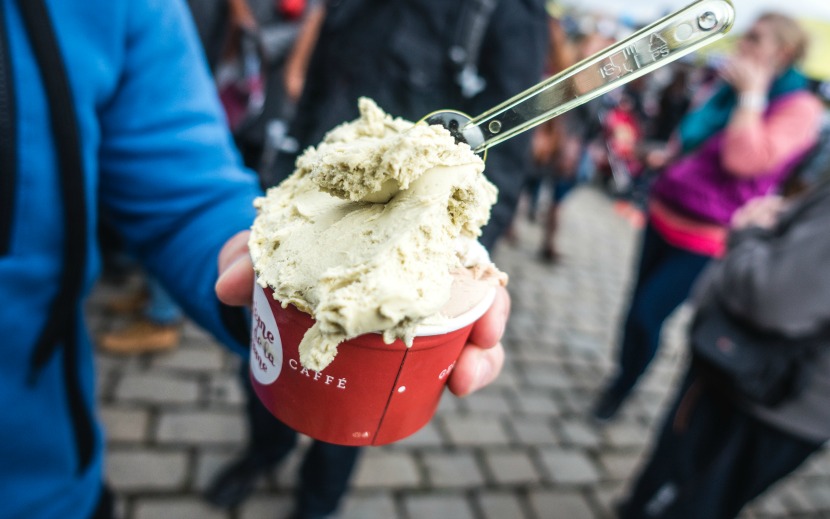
[711,459]
[326,468]
[664,279]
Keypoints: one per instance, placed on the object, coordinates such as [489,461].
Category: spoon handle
[654,46]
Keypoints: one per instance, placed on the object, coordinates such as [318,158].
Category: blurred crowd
[720,163]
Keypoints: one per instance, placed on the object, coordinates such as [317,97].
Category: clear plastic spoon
[648,49]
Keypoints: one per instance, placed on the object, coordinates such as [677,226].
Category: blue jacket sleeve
[171,180]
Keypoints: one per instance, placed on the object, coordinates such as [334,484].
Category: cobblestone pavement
[521,448]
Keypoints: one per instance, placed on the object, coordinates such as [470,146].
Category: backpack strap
[8,140]
[465,49]
[62,321]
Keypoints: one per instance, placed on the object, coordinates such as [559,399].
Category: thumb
[236,272]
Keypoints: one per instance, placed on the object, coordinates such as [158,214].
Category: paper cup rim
[461,321]
[451,324]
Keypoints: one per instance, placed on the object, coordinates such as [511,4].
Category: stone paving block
[532,402]
[606,497]
[638,408]
[514,467]
[499,505]
[468,431]
[488,401]
[601,363]
[207,465]
[799,500]
[453,506]
[96,320]
[771,502]
[586,328]
[521,324]
[364,506]
[546,375]
[569,466]
[619,465]
[586,376]
[818,492]
[380,468]
[178,508]
[224,389]
[534,352]
[507,378]
[578,402]
[660,379]
[427,436]
[134,470]
[266,507]
[548,504]
[452,469]
[195,427]
[533,430]
[163,389]
[122,424]
[195,336]
[626,434]
[110,364]
[578,433]
[449,404]
[822,456]
[818,464]
[205,358]
[589,357]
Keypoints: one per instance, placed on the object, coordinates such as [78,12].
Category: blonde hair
[789,32]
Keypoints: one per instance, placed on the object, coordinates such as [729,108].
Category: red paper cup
[371,394]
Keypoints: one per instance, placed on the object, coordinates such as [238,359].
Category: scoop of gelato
[364,235]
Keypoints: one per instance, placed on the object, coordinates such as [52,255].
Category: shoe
[141,337]
[607,406]
[235,483]
[550,255]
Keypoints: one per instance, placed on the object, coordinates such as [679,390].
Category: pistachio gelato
[373,230]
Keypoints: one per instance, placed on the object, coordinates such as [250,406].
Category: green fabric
[713,115]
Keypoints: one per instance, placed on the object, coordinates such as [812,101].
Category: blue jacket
[158,159]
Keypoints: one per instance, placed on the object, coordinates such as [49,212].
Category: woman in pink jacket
[740,144]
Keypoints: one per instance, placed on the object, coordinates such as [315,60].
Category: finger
[488,330]
[236,272]
[475,368]
[236,284]
[232,249]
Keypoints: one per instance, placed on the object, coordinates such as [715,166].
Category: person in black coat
[412,57]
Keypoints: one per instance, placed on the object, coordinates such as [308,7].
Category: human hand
[482,358]
[293,82]
[658,158]
[759,212]
[541,147]
[480,361]
[235,285]
[747,75]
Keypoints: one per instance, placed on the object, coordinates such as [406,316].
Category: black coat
[397,53]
